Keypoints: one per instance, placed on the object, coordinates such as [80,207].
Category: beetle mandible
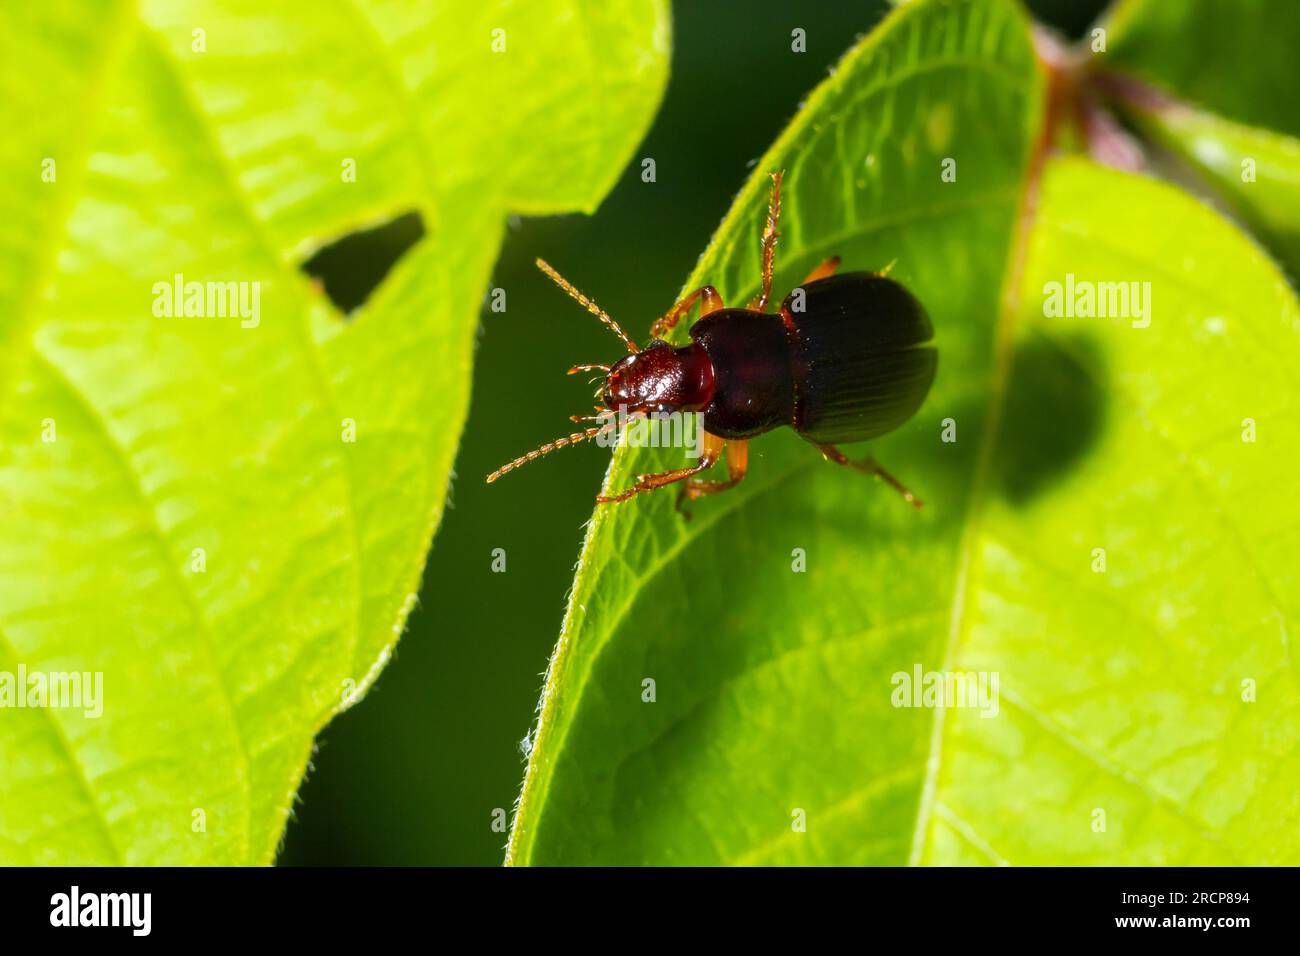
[854,363]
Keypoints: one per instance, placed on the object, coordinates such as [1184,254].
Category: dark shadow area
[1071,17]
[1055,410]
[351,268]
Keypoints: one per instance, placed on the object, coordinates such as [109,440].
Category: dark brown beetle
[845,358]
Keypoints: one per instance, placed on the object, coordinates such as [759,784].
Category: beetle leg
[712,449]
[651,482]
[871,467]
[737,465]
[824,270]
[710,301]
[648,483]
[769,242]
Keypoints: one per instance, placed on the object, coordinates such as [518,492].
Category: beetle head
[659,379]
[645,381]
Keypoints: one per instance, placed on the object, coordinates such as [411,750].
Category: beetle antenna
[550,447]
[590,306]
[589,368]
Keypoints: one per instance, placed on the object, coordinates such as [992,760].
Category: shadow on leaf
[1055,410]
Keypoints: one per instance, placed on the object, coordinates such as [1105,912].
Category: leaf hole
[351,268]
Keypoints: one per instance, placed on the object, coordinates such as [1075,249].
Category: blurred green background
[413,774]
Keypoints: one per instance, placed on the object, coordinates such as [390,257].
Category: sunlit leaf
[1257,170]
[183,510]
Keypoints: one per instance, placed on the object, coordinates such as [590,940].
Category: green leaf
[1232,57]
[1257,170]
[1125,731]
[129,441]
[1235,58]
[761,705]
[1161,691]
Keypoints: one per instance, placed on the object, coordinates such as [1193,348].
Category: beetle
[844,358]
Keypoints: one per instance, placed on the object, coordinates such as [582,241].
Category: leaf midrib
[1025,213]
